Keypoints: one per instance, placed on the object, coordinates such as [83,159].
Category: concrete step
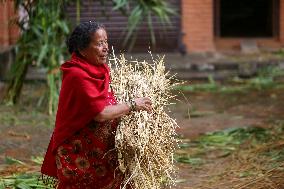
[216,75]
[189,67]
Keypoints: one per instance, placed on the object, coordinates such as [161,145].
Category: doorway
[248,19]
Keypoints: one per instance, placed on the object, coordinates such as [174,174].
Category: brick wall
[9,31]
[197,25]
[281,24]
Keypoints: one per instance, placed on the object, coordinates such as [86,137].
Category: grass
[24,115]
[266,79]
[228,141]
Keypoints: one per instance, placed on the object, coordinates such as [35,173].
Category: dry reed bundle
[267,177]
[271,179]
[247,169]
[145,141]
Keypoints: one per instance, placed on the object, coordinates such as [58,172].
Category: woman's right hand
[143,103]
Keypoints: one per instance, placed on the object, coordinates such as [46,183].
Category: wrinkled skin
[97,51]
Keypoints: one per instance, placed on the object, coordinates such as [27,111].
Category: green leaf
[150,25]
[38,159]
[23,185]
[78,11]
[63,26]
[133,20]
[189,160]
[42,54]
[120,4]
[184,145]
[245,174]
[10,160]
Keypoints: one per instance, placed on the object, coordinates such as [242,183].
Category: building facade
[9,32]
[203,25]
[217,25]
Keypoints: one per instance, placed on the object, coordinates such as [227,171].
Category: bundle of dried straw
[145,141]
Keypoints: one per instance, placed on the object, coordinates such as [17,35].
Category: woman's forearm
[118,110]
[112,112]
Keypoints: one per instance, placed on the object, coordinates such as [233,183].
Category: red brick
[14,30]
[197,25]
[281,24]
[4,31]
[9,31]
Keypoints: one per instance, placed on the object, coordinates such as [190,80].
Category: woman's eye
[101,43]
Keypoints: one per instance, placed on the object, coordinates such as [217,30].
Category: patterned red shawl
[82,96]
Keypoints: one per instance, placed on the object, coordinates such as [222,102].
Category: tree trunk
[16,83]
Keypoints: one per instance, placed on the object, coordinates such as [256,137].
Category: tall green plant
[41,44]
[43,34]
[143,10]
[138,11]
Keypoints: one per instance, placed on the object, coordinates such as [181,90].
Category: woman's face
[97,51]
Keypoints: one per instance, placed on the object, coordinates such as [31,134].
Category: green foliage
[10,160]
[266,79]
[42,42]
[22,181]
[42,45]
[138,11]
[38,160]
[194,161]
[210,86]
[143,10]
[225,142]
[229,138]
[275,154]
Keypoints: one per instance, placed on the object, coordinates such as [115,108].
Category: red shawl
[82,96]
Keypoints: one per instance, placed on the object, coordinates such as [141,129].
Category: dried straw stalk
[145,141]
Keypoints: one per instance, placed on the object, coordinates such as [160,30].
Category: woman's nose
[105,47]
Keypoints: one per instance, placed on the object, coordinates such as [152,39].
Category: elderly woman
[81,153]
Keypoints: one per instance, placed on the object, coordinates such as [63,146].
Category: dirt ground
[214,111]
[25,129]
